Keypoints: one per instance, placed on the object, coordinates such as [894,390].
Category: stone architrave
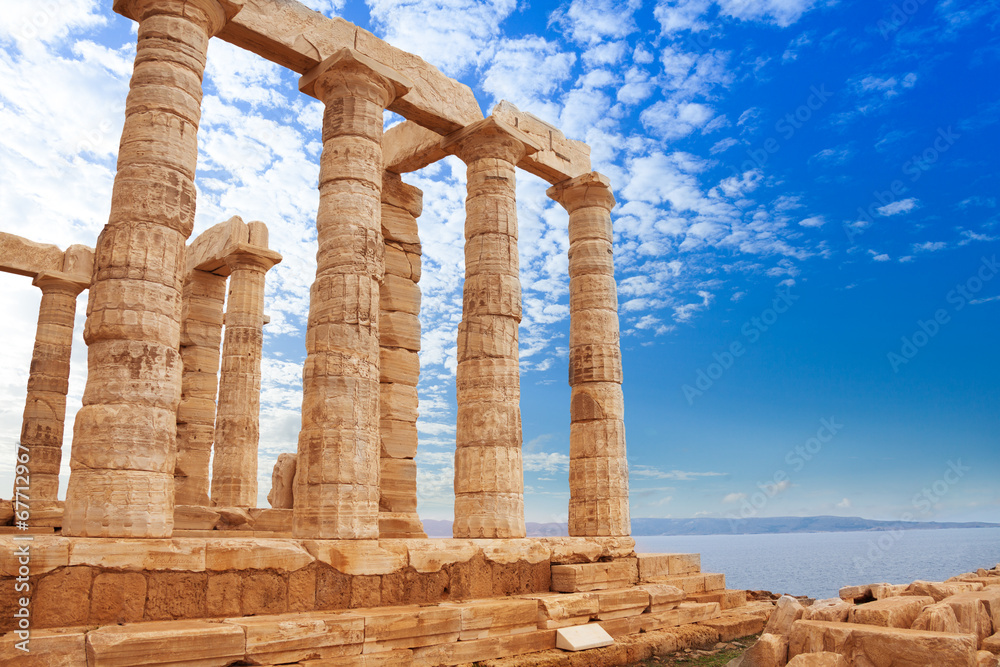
[203,299]
[124,449]
[337,480]
[489,484]
[598,475]
[48,384]
[399,365]
[237,419]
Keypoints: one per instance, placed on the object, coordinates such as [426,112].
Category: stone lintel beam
[290,34]
[409,147]
[559,158]
[208,252]
[24,257]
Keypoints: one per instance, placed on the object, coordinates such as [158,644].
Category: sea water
[819,564]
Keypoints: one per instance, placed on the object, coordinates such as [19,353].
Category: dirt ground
[718,656]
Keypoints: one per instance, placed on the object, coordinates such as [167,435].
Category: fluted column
[489,482]
[399,368]
[122,481]
[337,479]
[203,300]
[598,470]
[237,420]
[48,383]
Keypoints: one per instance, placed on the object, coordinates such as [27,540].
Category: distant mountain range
[754,526]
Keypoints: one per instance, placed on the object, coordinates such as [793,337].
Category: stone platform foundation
[269,601]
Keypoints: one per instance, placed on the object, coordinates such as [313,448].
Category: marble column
[337,479]
[399,366]
[124,439]
[598,470]
[237,419]
[48,383]
[489,483]
[203,301]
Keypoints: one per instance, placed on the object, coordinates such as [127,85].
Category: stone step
[727,598]
[871,644]
[660,565]
[582,577]
[703,582]
[683,614]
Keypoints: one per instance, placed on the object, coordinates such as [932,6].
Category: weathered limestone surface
[337,484]
[124,449]
[48,383]
[27,258]
[202,300]
[875,645]
[598,468]
[237,421]
[186,642]
[823,659]
[583,637]
[559,158]
[593,576]
[294,36]
[399,367]
[489,483]
[282,495]
[894,612]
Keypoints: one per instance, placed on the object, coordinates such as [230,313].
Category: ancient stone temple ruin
[157,557]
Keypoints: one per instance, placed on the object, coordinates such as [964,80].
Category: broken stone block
[893,612]
[987,659]
[786,612]
[727,599]
[938,617]
[662,596]
[972,615]
[941,590]
[583,637]
[194,517]
[557,610]
[875,645]
[990,597]
[992,643]
[769,651]
[832,609]
[282,493]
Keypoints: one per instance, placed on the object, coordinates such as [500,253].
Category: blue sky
[805,234]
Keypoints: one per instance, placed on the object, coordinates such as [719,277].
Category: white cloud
[591,21]
[897,207]
[844,504]
[779,12]
[723,145]
[734,497]
[651,472]
[672,120]
[813,221]
[550,462]
[929,246]
[679,15]
[454,35]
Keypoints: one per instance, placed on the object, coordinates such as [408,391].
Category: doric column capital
[246,256]
[348,73]
[489,138]
[212,14]
[401,195]
[592,189]
[57,281]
